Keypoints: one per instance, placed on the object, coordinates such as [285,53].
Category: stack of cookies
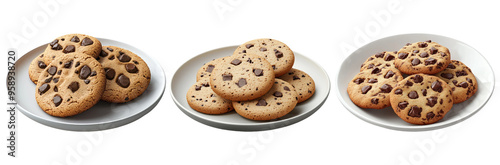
[75,71]
[432,85]
[257,81]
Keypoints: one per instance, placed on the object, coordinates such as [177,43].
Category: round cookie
[461,80]
[127,75]
[422,57]
[371,87]
[79,43]
[70,85]
[203,99]
[303,83]
[275,52]
[278,102]
[206,70]
[421,99]
[242,77]
[36,67]
[381,60]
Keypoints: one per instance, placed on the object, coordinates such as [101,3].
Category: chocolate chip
[463,84]
[424,54]
[278,53]
[124,58]
[408,44]
[379,55]
[277,94]
[123,81]
[103,53]
[370,66]
[263,49]
[59,72]
[68,64]
[372,80]
[55,89]
[469,80]
[436,86]
[197,88]
[74,86]
[75,39]
[111,50]
[429,41]
[359,80]
[433,50]
[418,79]
[57,100]
[424,92]
[56,80]
[54,42]
[461,73]
[258,72]
[110,73]
[415,111]
[365,89]
[84,72]
[413,95]
[210,68]
[48,80]
[87,41]
[430,61]
[447,75]
[43,88]
[431,101]
[52,70]
[389,57]
[430,115]
[69,49]
[42,64]
[111,57]
[376,70]
[77,64]
[389,74]
[262,102]
[286,88]
[87,81]
[451,66]
[131,68]
[408,83]
[236,62]
[454,82]
[386,88]
[374,101]
[274,67]
[415,51]
[403,105]
[241,82]
[415,61]
[248,46]
[227,77]
[398,91]
[205,84]
[402,55]
[295,77]
[422,44]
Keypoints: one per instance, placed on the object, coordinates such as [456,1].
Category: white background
[175,31]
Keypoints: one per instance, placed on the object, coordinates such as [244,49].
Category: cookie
[421,99]
[381,60]
[242,77]
[303,83]
[79,43]
[275,52]
[461,80]
[278,102]
[36,67]
[203,99]
[127,75]
[422,57]
[70,85]
[370,88]
[206,70]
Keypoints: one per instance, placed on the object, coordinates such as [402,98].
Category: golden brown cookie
[79,43]
[461,80]
[380,60]
[303,83]
[36,67]
[422,57]
[206,70]
[203,99]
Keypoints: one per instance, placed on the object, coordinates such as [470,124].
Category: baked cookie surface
[303,83]
[242,77]
[78,43]
[422,57]
[203,99]
[380,60]
[421,99]
[70,85]
[127,75]
[206,70]
[278,102]
[36,67]
[460,78]
[278,54]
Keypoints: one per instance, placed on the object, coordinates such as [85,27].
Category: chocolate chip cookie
[303,83]
[275,52]
[70,85]
[371,87]
[242,77]
[380,60]
[422,57]
[79,43]
[36,67]
[278,102]
[203,99]
[421,99]
[461,80]
[127,75]
[206,70]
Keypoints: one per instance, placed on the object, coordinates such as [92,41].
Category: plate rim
[249,126]
[95,126]
[412,128]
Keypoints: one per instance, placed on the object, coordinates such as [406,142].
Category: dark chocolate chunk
[379,55]
[110,73]
[359,80]
[365,89]
[408,83]
[386,88]
[430,115]
[227,77]
[103,53]
[84,72]
[398,91]
[124,58]
[111,50]
[278,53]
[69,49]
[197,88]
[402,55]
[433,50]
[436,86]
[68,64]
[418,79]
[75,39]
[461,73]
[52,70]
[447,75]
[131,68]
[87,41]
[277,94]
[372,80]
[389,57]
[376,70]
[57,47]
[424,54]
[87,81]
[263,49]
[286,88]
[463,84]
[415,61]
[413,95]
[43,88]
[123,81]
[42,64]
[295,77]
[236,62]
[422,44]
[431,101]
[56,80]
[57,100]
[424,92]
[451,66]
[374,101]
[210,68]
[403,105]
[258,72]
[74,86]
[241,82]
[93,73]
[389,74]
[430,61]
[248,46]
[415,111]
[262,102]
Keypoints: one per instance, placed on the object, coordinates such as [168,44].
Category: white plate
[103,115]
[185,77]
[386,117]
